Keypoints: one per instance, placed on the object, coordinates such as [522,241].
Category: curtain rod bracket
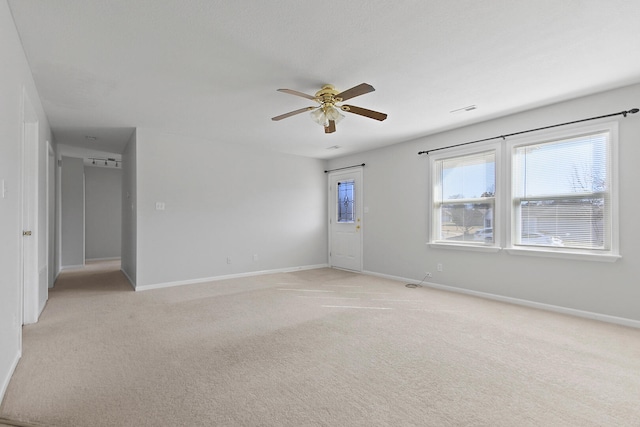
[504,137]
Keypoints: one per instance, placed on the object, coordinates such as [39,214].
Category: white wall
[224,201]
[395,228]
[15,77]
[72,218]
[103,213]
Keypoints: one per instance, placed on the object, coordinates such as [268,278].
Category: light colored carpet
[314,348]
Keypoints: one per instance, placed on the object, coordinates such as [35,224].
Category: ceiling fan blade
[292,113]
[361,89]
[364,112]
[331,128]
[295,92]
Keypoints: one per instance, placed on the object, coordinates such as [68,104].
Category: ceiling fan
[328,114]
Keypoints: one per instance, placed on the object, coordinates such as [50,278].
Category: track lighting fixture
[107,162]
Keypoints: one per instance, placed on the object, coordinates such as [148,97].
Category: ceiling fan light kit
[323,115]
[328,113]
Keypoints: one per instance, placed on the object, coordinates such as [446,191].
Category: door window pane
[346,201]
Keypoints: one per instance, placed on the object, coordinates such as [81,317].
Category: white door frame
[29,206]
[331,213]
[50,216]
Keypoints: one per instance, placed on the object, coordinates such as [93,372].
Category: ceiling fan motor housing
[326,95]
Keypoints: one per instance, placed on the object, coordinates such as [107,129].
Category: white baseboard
[7,378]
[228,276]
[70,267]
[42,308]
[103,259]
[131,281]
[532,304]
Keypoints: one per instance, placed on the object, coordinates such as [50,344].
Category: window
[464,198]
[562,193]
[346,201]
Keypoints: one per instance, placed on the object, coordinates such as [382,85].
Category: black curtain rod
[621,113]
[347,167]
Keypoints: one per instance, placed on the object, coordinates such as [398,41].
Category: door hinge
[26,233]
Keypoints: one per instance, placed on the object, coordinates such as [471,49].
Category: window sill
[563,254]
[465,247]
[547,252]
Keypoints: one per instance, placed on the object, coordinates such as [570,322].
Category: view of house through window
[346,201]
[561,193]
[464,198]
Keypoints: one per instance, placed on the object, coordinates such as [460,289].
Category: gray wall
[223,200]
[16,82]
[72,218]
[395,227]
[129,224]
[103,213]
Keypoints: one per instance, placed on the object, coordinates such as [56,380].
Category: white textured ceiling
[210,69]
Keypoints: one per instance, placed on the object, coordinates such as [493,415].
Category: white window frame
[608,255]
[434,190]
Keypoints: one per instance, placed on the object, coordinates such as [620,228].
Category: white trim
[551,253]
[468,247]
[131,281]
[48,214]
[70,267]
[43,307]
[115,258]
[225,277]
[517,301]
[12,369]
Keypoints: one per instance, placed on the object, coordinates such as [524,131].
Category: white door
[30,236]
[345,220]
[29,221]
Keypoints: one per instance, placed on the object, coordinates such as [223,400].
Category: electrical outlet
[439,266]
[428,274]
[255,257]
[228,260]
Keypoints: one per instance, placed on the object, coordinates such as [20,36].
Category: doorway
[345,220]
[30,294]
[51,215]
